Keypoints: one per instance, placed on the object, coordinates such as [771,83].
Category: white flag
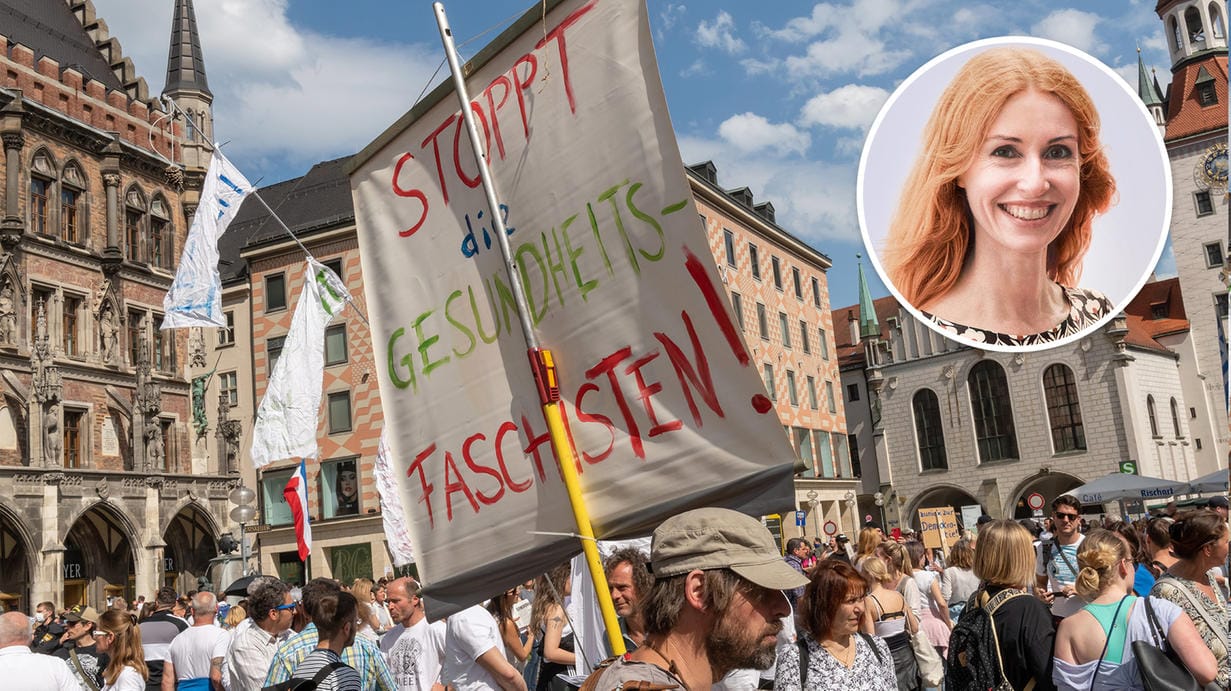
[195,298]
[286,421]
[391,513]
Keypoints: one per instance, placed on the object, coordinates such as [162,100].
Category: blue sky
[779,94]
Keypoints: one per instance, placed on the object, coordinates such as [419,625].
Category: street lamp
[879,498]
[812,495]
[850,509]
[242,513]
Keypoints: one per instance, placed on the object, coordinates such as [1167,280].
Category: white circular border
[1058,51]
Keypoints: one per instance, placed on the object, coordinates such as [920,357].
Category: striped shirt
[340,679]
[363,655]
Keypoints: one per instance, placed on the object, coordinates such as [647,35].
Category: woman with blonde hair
[1094,645]
[120,638]
[887,614]
[958,582]
[1004,561]
[867,542]
[996,215]
[901,574]
[369,623]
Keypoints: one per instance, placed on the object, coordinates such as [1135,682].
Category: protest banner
[938,526]
[663,406]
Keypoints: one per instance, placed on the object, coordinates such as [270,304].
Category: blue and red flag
[296,495]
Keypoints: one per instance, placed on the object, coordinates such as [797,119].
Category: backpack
[974,646]
[306,684]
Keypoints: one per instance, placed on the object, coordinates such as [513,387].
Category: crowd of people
[714,605]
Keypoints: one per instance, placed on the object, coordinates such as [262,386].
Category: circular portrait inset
[1014,194]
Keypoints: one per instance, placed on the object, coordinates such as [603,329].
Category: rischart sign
[662,403]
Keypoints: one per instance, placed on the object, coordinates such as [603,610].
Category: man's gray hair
[15,629]
[204,602]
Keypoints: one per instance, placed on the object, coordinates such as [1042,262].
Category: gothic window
[1216,21]
[135,222]
[164,348]
[73,212]
[70,326]
[1153,414]
[1175,418]
[39,189]
[1063,409]
[993,414]
[136,332]
[1196,32]
[74,449]
[929,434]
[158,235]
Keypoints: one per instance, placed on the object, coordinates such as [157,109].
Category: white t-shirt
[192,650]
[468,634]
[1059,574]
[27,671]
[128,680]
[414,654]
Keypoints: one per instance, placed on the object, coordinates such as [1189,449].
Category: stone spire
[869,325]
[185,62]
[1146,89]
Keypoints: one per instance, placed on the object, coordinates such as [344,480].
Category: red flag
[296,494]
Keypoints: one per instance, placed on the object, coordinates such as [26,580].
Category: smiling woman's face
[1025,178]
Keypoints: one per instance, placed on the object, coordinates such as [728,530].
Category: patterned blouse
[871,671]
[1215,638]
[1085,308]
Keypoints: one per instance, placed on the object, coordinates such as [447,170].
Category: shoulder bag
[1158,665]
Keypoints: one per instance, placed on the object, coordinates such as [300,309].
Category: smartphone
[896,534]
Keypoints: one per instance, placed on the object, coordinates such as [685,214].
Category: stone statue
[51,435]
[196,347]
[8,314]
[109,335]
[154,451]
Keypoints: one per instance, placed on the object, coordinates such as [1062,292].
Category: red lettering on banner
[717,305]
[482,469]
[506,428]
[583,416]
[699,378]
[440,170]
[494,108]
[557,35]
[607,366]
[417,465]
[533,444]
[646,391]
[416,194]
[457,144]
[454,486]
[520,87]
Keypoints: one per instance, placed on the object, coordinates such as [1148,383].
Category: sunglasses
[1067,516]
[289,605]
[101,634]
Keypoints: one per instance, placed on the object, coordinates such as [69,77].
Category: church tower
[1195,106]
[187,86]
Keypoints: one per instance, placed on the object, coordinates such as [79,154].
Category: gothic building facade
[99,493]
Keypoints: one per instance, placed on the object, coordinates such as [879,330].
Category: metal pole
[541,361]
[243,552]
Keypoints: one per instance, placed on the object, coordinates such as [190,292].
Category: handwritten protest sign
[661,399]
[938,527]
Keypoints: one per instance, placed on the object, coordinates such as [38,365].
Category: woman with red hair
[997,212]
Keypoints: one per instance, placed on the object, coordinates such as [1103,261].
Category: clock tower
[1195,132]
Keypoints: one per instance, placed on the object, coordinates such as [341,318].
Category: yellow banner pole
[541,362]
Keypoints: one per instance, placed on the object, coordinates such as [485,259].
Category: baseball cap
[80,613]
[1218,502]
[714,538]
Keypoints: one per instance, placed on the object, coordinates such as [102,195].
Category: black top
[1027,640]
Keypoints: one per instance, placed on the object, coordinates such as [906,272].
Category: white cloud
[696,69]
[853,106]
[756,66]
[749,133]
[1073,27]
[720,34]
[846,53]
[283,96]
[671,14]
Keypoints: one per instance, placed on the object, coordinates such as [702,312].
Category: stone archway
[99,558]
[191,541]
[16,563]
[938,496]
[1049,484]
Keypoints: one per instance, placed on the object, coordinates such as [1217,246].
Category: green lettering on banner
[323,282]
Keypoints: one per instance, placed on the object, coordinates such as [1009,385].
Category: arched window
[1216,21]
[1177,39]
[928,432]
[1196,32]
[1063,409]
[993,413]
[1175,418]
[1153,416]
[134,224]
[73,209]
[42,189]
[159,239]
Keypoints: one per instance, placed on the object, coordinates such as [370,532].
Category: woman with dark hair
[346,489]
[1199,542]
[831,653]
[516,650]
[1143,580]
[1158,544]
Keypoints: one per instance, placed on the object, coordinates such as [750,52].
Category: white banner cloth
[195,297]
[286,420]
[392,515]
[661,399]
